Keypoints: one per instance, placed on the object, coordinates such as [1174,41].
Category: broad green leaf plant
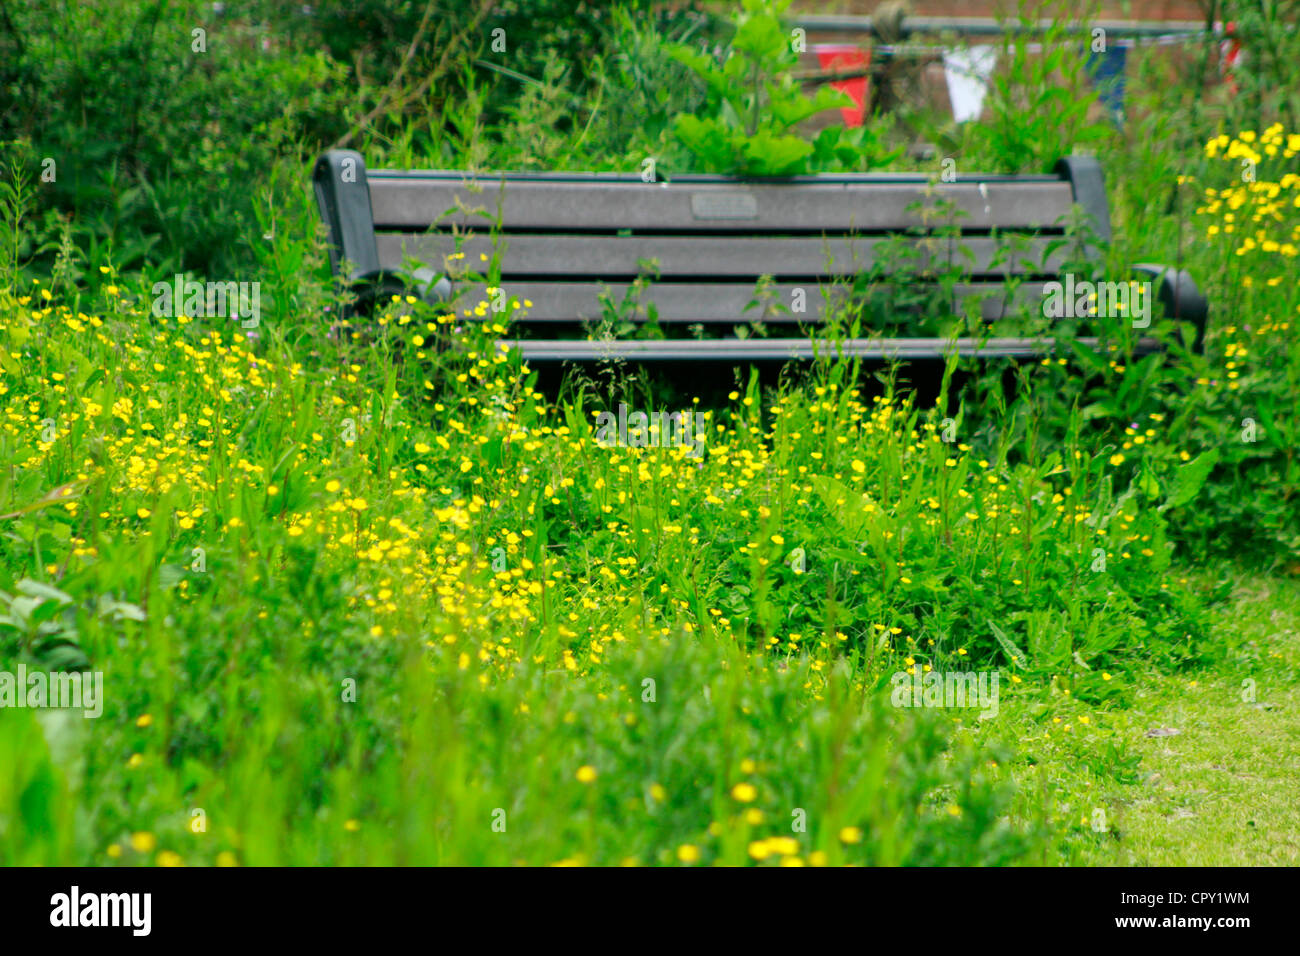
[748,126]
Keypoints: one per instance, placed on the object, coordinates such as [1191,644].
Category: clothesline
[968,67]
[887,49]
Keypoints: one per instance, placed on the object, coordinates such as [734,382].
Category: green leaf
[38,589]
[790,109]
[731,118]
[1189,478]
[1014,654]
[770,155]
[1147,482]
[119,610]
[707,139]
[62,655]
[762,36]
[170,575]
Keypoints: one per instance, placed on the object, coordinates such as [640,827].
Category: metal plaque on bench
[729,205]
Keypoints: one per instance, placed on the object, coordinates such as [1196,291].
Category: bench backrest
[569,237]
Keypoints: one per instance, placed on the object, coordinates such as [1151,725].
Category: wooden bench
[572,240]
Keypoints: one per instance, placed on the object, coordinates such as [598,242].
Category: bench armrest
[376,286]
[1178,293]
[343,196]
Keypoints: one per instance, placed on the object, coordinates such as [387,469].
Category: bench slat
[535,175]
[405,204]
[751,350]
[718,302]
[617,257]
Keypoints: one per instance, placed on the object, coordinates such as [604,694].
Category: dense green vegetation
[376,598]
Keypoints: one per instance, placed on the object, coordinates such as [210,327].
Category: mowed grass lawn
[1225,791]
[1221,789]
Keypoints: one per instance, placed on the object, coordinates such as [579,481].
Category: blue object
[1107,73]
